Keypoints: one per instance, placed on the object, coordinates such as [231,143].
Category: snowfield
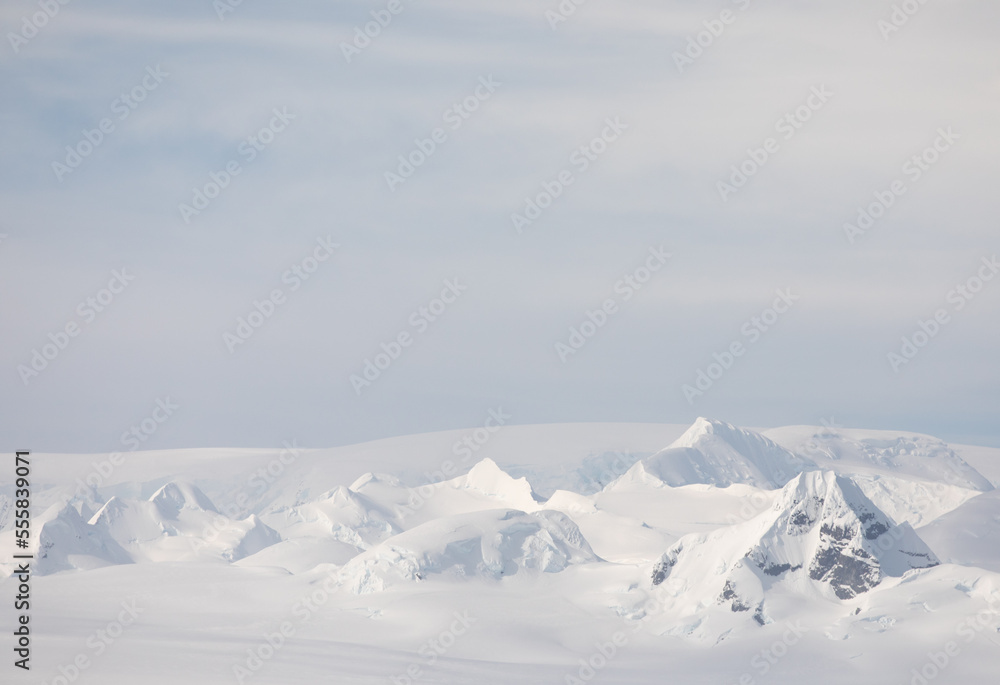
[558,554]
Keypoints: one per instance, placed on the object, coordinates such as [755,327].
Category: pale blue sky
[655,185]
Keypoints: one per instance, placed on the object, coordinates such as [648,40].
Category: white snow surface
[612,553]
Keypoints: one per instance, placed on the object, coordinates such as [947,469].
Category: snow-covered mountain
[919,457]
[177,523]
[969,534]
[67,542]
[490,544]
[721,454]
[821,528]
[873,541]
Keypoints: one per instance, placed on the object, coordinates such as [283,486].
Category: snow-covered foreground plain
[605,553]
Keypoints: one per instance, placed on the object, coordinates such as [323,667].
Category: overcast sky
[184,91]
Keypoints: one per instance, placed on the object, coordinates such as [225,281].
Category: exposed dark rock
[662,568]
[875,530]
[823,525]
[778,569]
[849,576]
[801,518]
[930,562]
[729,595]
[838,533]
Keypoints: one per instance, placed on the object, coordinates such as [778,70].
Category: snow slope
[821,535]
[921,457]
[970,534]
[721,454]
[488,544]
[556,554]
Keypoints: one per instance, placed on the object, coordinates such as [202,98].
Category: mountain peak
[821,526]
[66,541]
[833,500]
[856,543]
[487,466]
[710,431]
[491,544]
[701,426]
[488,478]
[717,453]
[174,496]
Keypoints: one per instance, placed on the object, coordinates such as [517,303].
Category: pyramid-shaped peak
[703,425]
[65,541]
[821,480]
[338,495]
[711,429]
[816,482]
[718,453]
[488,478]
[113,508]
[821,527]
[487,466]
[832,499]
[371,479]
[174,496]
